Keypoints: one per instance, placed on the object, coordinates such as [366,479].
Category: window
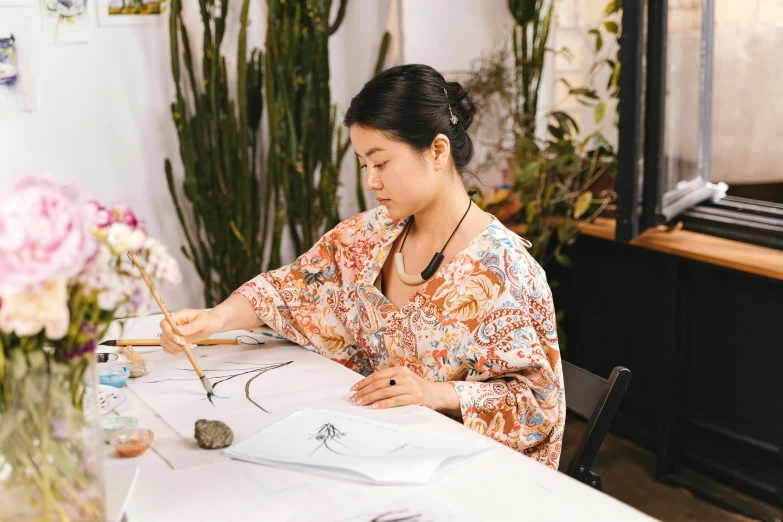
[698,106]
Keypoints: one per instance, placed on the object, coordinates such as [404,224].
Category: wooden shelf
[753,259]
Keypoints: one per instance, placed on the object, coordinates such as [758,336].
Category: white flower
[27,313]
[136,240]
[123,238]
[160,264]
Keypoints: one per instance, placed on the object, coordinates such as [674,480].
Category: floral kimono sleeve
[292,300]
[514,392]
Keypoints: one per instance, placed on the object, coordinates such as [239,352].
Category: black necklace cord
[437,259]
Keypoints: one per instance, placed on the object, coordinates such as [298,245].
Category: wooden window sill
[752,259]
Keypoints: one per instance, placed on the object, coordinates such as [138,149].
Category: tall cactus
[219,146]
[305,141]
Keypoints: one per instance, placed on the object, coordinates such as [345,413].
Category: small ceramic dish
[112,424]
[111,372]
[131,442]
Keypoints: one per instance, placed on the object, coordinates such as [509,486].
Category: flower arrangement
[64,277]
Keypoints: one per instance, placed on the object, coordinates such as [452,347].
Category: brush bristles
[207,385]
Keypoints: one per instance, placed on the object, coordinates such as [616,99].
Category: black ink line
[260,368]
[247,392]
[326,434]
[405,518]
[253,340]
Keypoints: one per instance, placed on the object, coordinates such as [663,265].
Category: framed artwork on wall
[112,13]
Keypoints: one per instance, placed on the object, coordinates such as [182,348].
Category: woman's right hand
[195,325]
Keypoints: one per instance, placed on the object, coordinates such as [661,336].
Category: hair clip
[453,118]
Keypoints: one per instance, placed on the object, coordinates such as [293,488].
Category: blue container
[110,371]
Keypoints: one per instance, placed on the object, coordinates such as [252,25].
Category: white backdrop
[103,120]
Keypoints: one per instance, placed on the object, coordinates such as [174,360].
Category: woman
[469,332]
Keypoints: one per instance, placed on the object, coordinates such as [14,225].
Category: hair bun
[463,106]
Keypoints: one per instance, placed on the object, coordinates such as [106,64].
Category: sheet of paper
[119,488]
[247,383]
[352,447]
[219,492]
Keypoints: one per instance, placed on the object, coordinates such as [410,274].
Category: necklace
[437,259]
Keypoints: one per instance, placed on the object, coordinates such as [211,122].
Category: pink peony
[99,215]
[45,233]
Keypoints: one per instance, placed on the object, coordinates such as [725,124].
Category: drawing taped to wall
[67,21]
[17,63]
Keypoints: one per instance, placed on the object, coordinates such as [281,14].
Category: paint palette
[108,399]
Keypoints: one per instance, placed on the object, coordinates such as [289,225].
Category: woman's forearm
[446,399]
[236,313]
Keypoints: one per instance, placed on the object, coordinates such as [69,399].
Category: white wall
[103,120]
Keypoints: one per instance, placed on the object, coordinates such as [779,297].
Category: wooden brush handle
[166,313]
[156,342]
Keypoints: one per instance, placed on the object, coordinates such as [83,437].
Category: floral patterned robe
[485,322]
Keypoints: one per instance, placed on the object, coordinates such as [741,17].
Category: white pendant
[408,279]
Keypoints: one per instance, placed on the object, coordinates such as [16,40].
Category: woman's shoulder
[513,246]
[374,221]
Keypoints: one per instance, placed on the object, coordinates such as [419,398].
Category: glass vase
[51,450]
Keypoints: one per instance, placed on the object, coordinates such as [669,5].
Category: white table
[498,484]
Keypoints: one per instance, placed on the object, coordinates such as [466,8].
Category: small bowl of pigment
[111,424]
[132,442]
[111,372]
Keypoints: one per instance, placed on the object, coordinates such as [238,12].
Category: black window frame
[642,201]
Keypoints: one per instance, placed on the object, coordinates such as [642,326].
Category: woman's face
[401,179]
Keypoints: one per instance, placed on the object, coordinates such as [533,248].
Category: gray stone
[213,434]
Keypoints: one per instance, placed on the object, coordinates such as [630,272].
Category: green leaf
[562,230]
[612,27]
[615,79]
[548,193]
[530,212]
[581,91]
[613,7]
[528,174]
[599,40]
[558,161]
[526,144]
[565,120]
[600,111]
[564,260]
[582,203]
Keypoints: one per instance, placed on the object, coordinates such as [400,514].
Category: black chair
[595,400]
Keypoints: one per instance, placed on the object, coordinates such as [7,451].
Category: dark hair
[408,104]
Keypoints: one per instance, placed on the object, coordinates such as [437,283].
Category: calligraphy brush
[204,381]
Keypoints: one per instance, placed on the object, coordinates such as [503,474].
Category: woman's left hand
[399,386]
